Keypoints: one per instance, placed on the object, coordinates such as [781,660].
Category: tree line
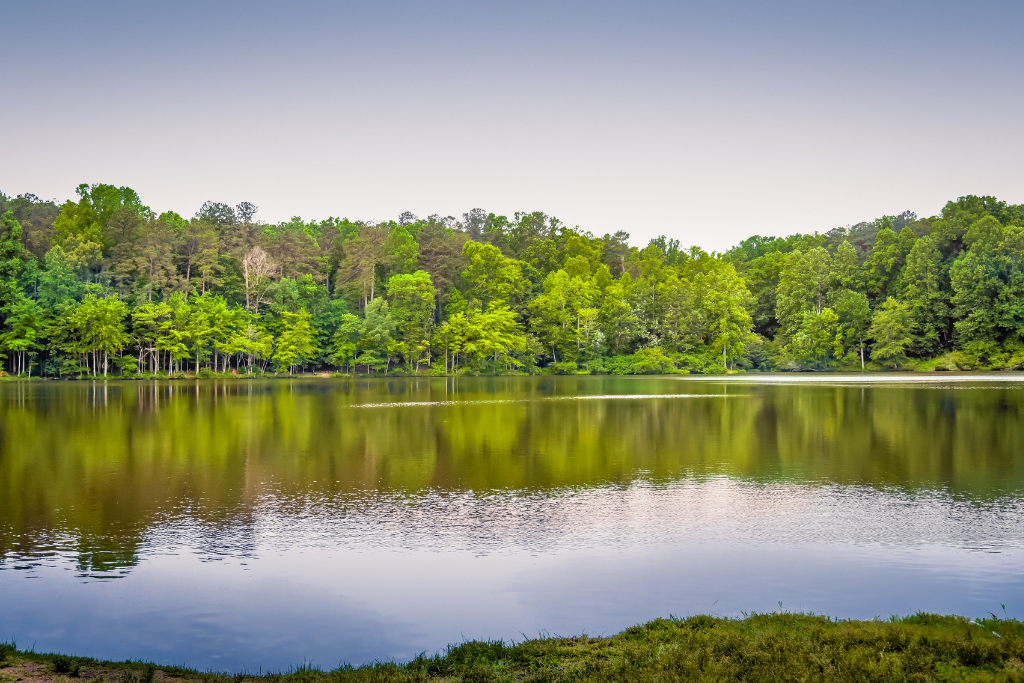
[103,285]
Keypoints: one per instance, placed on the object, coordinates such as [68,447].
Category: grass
[762,647]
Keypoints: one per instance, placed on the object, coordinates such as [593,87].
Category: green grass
[766,647]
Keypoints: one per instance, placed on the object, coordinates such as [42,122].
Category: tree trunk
[245,269]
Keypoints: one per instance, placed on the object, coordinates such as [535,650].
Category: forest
[103,286]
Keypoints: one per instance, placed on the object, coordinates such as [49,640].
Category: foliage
[890,328]
[102,277]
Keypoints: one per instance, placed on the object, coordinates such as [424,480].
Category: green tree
[725,302]
[988,284]
[297,344]
[563,314]
[12,254]
[412,305]
[22,329]
[803,287]
[359,268]
[345,342]
[854,318]
[378,330]
[819,342]
[58,282]
[883,266]
[890,328]
[494,334]
[924,288]
[490,276]
[616,318]
[96,327]
[845,271]
[762,277]
[400,251]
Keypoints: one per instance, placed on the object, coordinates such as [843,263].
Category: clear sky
[704,121]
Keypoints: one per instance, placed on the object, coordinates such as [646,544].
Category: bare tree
[257,267]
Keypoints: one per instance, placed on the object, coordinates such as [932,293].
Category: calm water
[262,524]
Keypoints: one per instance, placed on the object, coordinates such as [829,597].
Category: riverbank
[765,647]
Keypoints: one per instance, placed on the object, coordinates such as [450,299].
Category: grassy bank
[770,647]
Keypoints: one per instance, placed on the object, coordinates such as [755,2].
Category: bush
[979,355]
[943,362]
[615,365]
[704,362]
[129,365]
[136,674]
[66,666]
[651,361]
[206,373]
[564,368]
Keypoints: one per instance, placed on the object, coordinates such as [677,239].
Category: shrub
[65,665]
[130,673]
[564,368]
[129,365]
[7,650]
[651,361]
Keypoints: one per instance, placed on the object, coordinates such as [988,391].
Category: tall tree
[362,255]
[890,328]
[412,300]
[803,287]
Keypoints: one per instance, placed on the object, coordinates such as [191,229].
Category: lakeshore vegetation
[102,286]
[769,647]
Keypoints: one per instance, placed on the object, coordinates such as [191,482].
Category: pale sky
[706,122]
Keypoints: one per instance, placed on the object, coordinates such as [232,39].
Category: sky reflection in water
[230,525]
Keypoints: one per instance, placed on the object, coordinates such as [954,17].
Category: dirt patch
[19,670]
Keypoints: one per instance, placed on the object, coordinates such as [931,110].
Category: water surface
[262,524]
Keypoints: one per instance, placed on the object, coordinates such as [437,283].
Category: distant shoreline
[341,376]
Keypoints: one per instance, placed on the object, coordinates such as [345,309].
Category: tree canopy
[103,285]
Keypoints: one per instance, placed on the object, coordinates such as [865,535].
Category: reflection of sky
[267,564]
[705,121]
[375,577]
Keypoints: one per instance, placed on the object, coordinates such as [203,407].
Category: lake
[264,524]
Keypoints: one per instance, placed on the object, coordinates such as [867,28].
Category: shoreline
[177,377]
[760,647]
